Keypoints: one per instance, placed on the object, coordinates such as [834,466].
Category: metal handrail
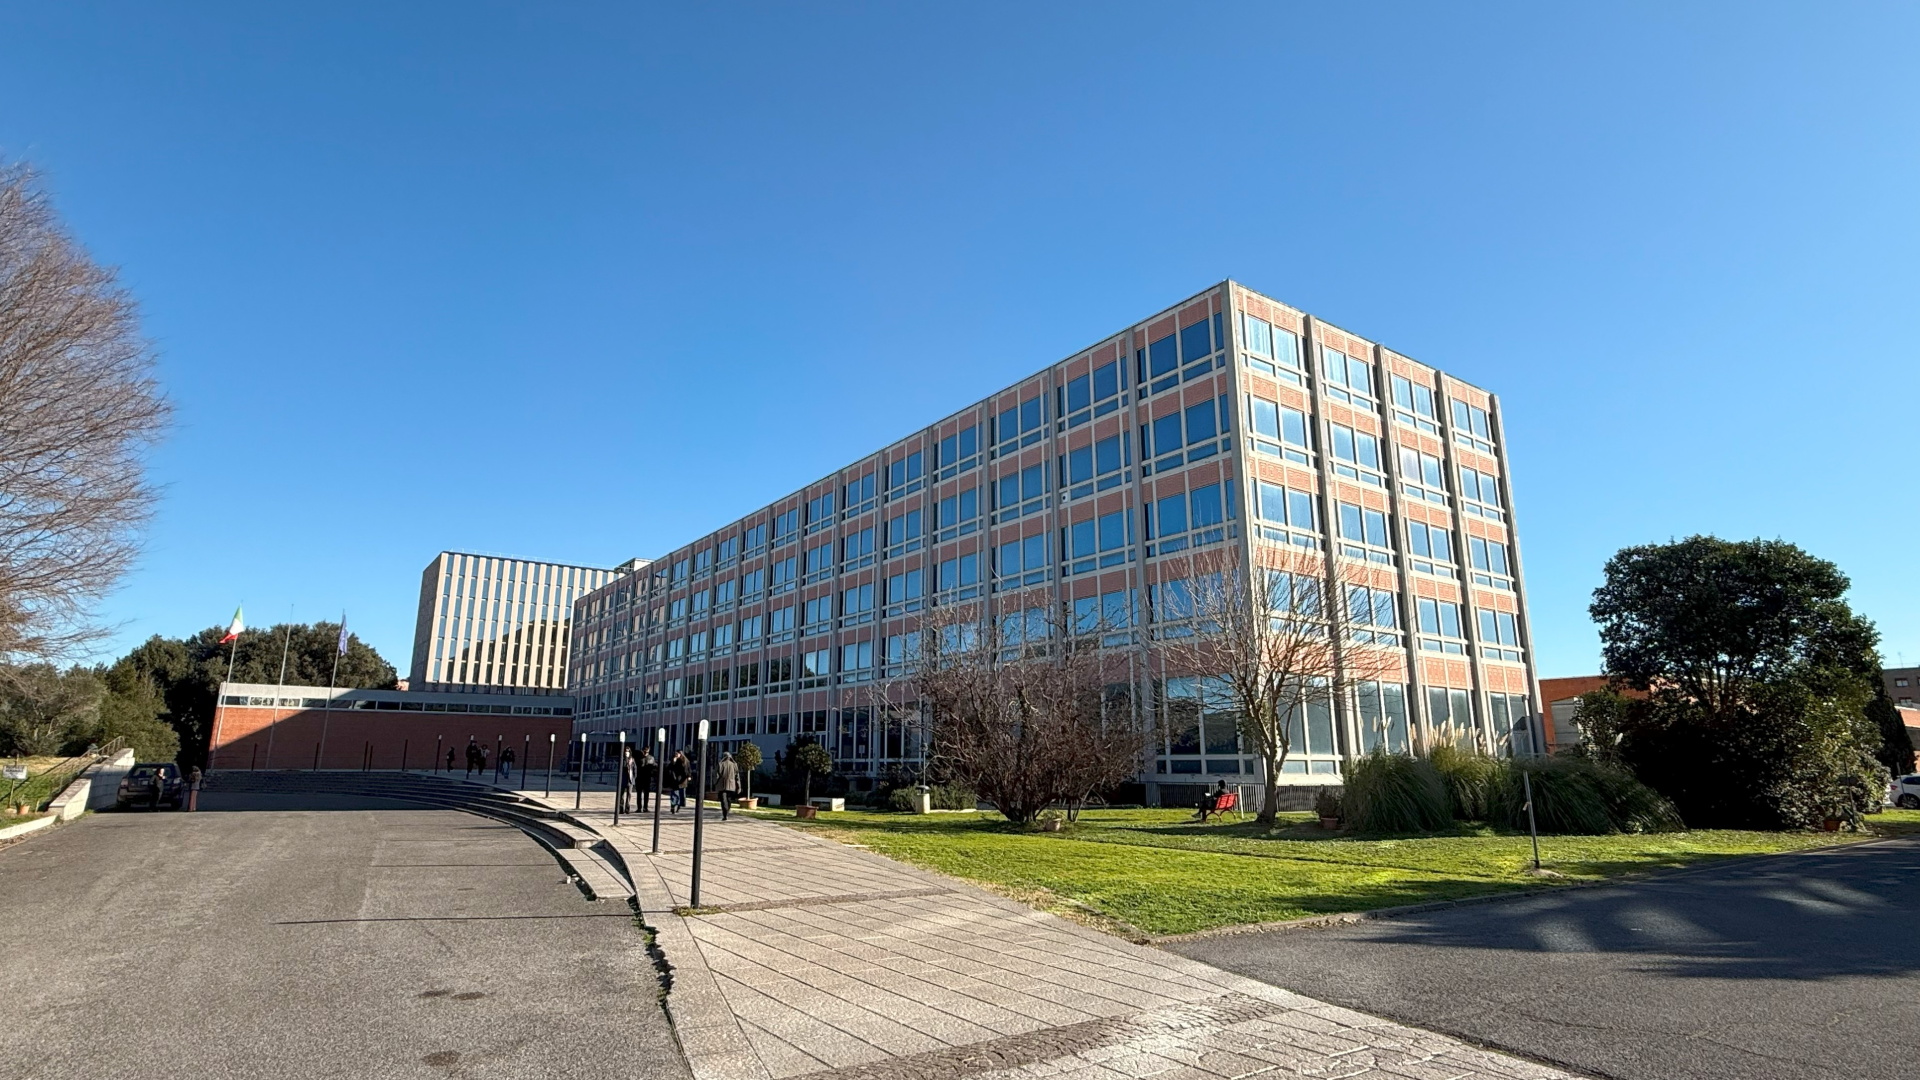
[63,774]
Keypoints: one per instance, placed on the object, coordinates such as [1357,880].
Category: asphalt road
[300,936]
[1802,966]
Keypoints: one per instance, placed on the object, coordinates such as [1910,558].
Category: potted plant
[1327,805]
[808,759]
[1052,821]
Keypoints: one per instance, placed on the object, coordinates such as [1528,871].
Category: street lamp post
[699,814]
[580,780]
[526,751]
[659,770]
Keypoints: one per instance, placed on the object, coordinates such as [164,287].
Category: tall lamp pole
[659,771]
[526,751]
[699,814]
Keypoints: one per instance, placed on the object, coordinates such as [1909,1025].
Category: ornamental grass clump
[1578,796]
[1470,776]
[1395,793]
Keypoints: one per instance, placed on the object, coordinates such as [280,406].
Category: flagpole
[285,640]
[327,717]
[214,739]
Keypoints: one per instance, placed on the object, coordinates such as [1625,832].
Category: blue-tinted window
[1166,435]
[1029,414]
[1081,540]
[1162,357]
[1106,455]
[1202,422]
[1196,341]
[1106,381]
[1170,515]
[1079,393]
[1078,465]
[1259,335]
[1205,502]
[1113,530]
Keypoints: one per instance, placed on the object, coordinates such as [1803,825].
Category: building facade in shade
[489,624]
[1227,421]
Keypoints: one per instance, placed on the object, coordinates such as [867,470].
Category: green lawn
[1149,872]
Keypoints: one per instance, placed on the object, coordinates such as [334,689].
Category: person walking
[677,773]
[480,760]
[473,759]
[629,779]
[643,772]
[505,769]
[727,783]
[449,759]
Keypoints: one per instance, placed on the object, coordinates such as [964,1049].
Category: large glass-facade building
[1227,419]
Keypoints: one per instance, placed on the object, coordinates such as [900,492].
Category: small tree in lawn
[1275,644]
[808,758]
[748,758]
[1017,709]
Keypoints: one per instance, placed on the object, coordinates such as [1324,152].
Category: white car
[1905,792]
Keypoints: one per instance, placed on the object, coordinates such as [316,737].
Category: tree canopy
[1758,677]
[187,672]
[1718,620]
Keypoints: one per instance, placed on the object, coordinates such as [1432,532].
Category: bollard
[659,770]
[620,778]
[699,814]
[580,781]
[403,754]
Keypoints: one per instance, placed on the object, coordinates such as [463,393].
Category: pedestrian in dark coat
[727,783]
[677,773]
[645,772]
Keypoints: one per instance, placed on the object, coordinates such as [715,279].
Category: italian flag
[234,630]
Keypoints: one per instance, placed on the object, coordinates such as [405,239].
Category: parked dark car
[151,784]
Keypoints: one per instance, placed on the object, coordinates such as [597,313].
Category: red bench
[1221,803]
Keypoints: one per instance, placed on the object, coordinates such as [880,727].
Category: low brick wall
[257,737]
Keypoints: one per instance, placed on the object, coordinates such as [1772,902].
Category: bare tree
[1276,642]
[78,409]
[1018,709]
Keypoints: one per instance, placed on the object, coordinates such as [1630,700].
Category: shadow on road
[1807,916]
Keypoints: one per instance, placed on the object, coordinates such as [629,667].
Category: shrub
[1395,793]
[1326,803]
[1577,795]
[953,797]
[1470,777]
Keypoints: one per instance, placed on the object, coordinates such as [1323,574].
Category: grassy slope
[1155,871]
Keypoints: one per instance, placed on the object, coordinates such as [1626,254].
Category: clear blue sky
[580,281]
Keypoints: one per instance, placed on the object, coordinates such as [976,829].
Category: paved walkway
[814,959]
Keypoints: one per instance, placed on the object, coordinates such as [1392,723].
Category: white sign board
[13,772]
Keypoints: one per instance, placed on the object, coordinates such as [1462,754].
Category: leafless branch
[78,409]
[1278,644]
[1020,708]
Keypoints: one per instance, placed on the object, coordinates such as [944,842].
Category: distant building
[495,625]
[1903,686]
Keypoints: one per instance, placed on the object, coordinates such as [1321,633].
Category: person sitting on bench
[1211,802]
